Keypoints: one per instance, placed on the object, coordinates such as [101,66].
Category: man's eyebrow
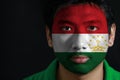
[65,22]
[92,21]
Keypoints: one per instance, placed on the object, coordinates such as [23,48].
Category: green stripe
[95,58]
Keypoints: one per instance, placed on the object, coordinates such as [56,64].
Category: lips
[79,59]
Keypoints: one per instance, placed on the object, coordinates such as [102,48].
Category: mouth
[79,59]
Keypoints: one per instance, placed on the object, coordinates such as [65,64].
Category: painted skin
[73,28]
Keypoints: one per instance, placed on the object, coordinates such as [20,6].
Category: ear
[112,35]
[48,35]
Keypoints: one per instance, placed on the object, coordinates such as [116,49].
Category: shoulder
[110,72]
[114,73]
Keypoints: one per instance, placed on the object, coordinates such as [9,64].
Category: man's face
[80,37]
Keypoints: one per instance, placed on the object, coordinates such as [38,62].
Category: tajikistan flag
[80,52]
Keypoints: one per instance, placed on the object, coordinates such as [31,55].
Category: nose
[78,44]
[78,48]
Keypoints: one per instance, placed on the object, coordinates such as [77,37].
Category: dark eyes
[92,28]
[66,28]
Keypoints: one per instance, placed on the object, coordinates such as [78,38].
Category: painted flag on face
[80,52]
[80,37]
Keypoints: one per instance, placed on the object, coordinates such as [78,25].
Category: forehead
[82,11]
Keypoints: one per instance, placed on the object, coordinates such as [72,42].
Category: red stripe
[79,18]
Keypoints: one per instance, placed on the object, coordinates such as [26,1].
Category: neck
[96,74]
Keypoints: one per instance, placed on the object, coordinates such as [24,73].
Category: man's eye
[92,28]
[66,28]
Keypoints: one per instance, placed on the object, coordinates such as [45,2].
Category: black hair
[52,5]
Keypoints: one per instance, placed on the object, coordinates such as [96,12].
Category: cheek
[99,43]
[61,42]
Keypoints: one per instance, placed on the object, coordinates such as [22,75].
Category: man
[80,33]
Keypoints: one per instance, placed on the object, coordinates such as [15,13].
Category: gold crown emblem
[98,47]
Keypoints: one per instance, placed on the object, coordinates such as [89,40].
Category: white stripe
[80,42]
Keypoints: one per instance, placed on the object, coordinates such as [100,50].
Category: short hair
[52,6]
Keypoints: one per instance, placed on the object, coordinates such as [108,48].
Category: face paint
[80,37]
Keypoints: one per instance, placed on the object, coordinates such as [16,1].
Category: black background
[24,47]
